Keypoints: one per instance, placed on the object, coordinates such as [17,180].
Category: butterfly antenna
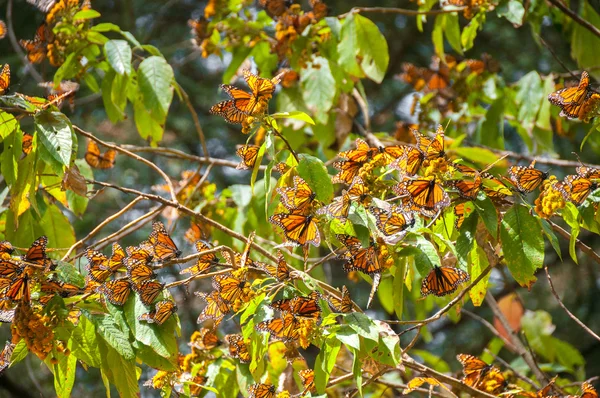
[555,56]
[578,158]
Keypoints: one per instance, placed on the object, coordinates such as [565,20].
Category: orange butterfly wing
[443,280]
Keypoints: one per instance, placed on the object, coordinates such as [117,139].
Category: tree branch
[575,17]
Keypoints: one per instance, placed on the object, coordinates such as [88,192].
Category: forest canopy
[282,198]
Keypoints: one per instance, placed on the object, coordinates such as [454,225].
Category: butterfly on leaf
[298,229]
[54,286]
[36,49]
[576,189]
[461,211]
[249,155]
[423,195]
[238,348]
[116,291]
[431,148]
[527,178]
[467,188]
[164,247]
[342,305]
[306,307]
[149,290]
[36,254]
[204,339]
[393,221]
[215,308]
[576,102]
[297,198]
[231,289]
[443,280]
[204,262]
[99,160]
[5,79]
[286,328]
[480,375]
[162,311]
[308,380]
[260,390]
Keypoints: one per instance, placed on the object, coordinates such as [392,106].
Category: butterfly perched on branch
[579,102]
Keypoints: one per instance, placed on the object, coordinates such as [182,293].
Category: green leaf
[112,110]
[452,32]
[9,157]
[121,371]
[84,342]
[64,374]
[348,337]
[373,48]
[385,293]
[426,257]
[55,133]
[86,14]
[466,239]
[325,362]
[348,47]
[523,244]
[117,339]
[529,97]
[147,127]
[437,35]
[57,227]
[479,263]
[319,88]
[315,174]
[8,124]
[582,40]
[398,292]
[571,216]
[551,236]
[149,357]
[362,325]
[513,11]
[294,115]
[161,338]
[487,211]
[118,53]
[155,76]
[106,27]
[469,33]
[68,273]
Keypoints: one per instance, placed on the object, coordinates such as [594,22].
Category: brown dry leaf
[513,311]
[419,381]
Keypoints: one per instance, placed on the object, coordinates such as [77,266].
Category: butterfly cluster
[137,264]
[56,44]
[578,102]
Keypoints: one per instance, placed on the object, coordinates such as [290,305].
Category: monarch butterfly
[215,308]
[281,167]
[423,195]
[298,198]
[461,211]
[286,328]
[249,155]
[577,188]
[308,380]
[148,290]
[281,271]
[162,311]
[18,290]
[409,162]
[117,291]
[27,144]
[431,148]
[9,269]
[96,159]
[4,79]
[306,307]
[393,221]
[238,348]
[573,100]
[197,231]
[229,112]
[443,280]
[36,48]
[37,253]
[63,289]
[138,272]
[298,229]
[5,355]
[467,189]
[4,283]
[261,391]
[43,5]
[249,103]
[204,262]
[164,247]
[204,339]
[338,208]
[98,265]
[589,172]
[343,305]
[362,154]
[388,154]
[144,253]
[359,192]
[436,78]
[494,188]
[527,179]
[348,170]
[230,288]
[588,390]
[369,260]
[480,375]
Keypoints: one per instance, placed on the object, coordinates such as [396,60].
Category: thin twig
[584,248]
[197,124]
[134,156]
[491,328]
[575,17]
[15,44]
[571,315]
